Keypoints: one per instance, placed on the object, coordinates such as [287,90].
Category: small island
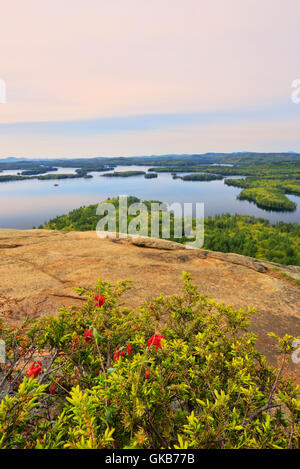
[45,177]
[199,177]
[39,170]
[124,174]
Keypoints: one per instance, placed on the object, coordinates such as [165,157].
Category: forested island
[267,193]
[199,177]
[44,177]
[264,184]
[39,170]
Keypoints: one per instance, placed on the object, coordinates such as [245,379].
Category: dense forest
[266,170]
[246,235]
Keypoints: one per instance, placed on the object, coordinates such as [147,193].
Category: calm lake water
[24,204]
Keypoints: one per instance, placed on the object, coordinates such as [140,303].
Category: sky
[140,77]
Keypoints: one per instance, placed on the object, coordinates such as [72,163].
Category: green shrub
[180,372]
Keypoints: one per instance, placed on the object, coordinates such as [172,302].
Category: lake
[24,204]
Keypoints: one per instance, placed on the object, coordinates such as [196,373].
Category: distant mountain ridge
[235,158]
[12,159]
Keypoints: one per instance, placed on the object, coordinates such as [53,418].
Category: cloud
[180,134]
[167,62]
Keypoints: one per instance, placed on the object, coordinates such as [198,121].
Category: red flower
[155,340]
[99,300]
[88,335]
[35,369]
[118,354]
[147,373]
[52,389]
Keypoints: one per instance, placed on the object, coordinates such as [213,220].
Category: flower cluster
[88,335]
[118,354]
[155,340]
[99,300]
[34,370]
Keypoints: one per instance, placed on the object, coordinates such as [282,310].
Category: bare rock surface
[40,268]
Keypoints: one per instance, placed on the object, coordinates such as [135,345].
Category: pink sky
[77,60]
